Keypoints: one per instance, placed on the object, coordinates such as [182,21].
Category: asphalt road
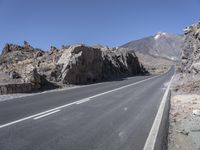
[115,115]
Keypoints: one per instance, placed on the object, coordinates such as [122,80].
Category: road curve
[115,115]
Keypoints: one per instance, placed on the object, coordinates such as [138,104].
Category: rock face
[188,78]
[36,79]
[83,64]
[185,102]
[191,50]
[27,66]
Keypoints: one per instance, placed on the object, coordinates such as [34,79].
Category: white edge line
[151,139]
[46,114]
[90,98]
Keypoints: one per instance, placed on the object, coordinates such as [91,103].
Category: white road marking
[46,114]
[35,115]
[79,101]
[14,96]
[151,139]
[122,87]
[83,100]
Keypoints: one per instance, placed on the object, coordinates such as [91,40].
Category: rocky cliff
[188,77]
[185,101]
[191,50]
[76,64]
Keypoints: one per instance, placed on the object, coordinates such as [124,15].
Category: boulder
[81,65]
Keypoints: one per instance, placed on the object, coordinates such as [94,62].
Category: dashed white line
[53,112]
[83,101]
[76,102]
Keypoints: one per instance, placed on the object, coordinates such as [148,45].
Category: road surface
[115,115]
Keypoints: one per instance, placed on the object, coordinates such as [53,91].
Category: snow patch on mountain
[159,35]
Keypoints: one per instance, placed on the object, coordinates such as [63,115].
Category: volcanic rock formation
[83,64]
[76,64]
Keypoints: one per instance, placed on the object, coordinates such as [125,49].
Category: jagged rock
[13,53]
[83,64]
[38,54]
[14,75]
[6,49]
[53,48]
[188,78]
[191,50]
[56,73]
[35,78]
[26,45]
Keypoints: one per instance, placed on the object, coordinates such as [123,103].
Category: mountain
[162,44]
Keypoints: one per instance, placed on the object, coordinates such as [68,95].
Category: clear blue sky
[109,22]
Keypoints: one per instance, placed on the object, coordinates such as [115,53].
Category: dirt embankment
[184,131]
[184,128]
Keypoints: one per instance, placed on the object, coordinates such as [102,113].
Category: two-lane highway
[115,115]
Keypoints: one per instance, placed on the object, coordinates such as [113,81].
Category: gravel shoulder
[184,119]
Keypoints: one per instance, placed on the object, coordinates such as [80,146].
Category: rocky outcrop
[83,64]
[13,53]
[185,101]
[77,64]
[36,79]
[26,65]
[188,74]
[191,50]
